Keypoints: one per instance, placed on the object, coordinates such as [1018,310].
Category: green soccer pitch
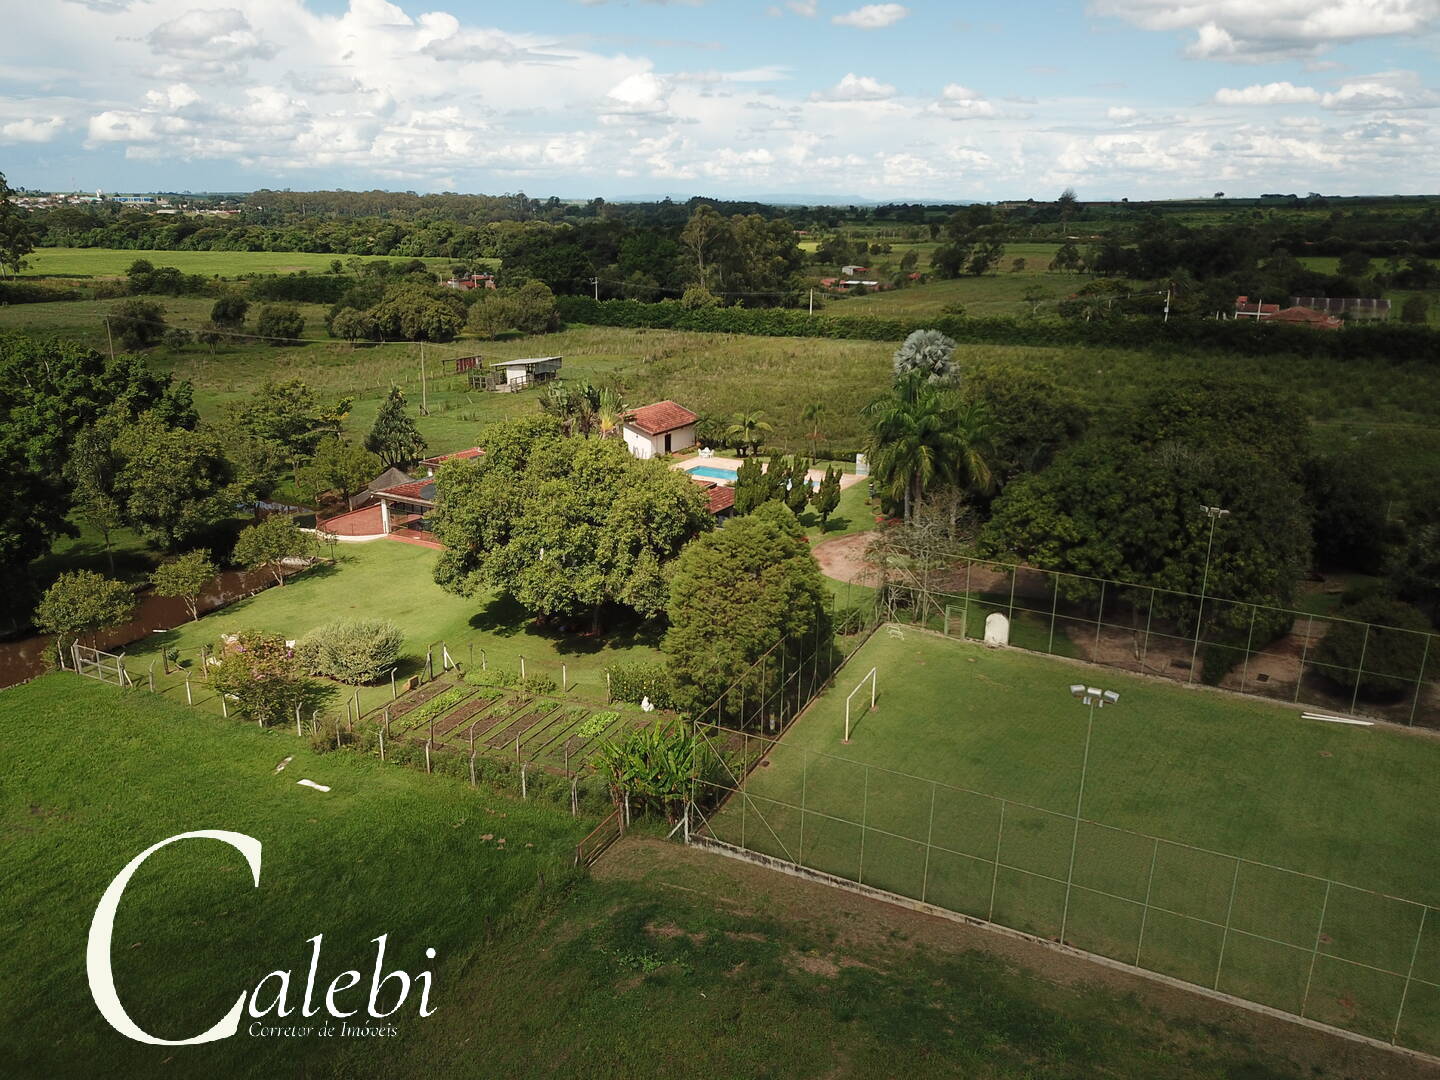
[1221,840]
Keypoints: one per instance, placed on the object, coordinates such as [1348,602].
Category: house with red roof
[661,428]
[1304,316]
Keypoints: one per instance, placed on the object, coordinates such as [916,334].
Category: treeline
[1388,340]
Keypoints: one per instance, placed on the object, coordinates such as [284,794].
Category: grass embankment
[673,962]
[1240,777]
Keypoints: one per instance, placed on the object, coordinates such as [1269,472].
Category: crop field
[1223,841]
[113,262]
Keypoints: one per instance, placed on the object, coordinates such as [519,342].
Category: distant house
[662,428]
[1245,308]
[853,271]
[721,497]
[518,374]
[432,463]
[472,281]
[1304,316]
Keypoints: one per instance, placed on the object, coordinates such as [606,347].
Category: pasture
[113,262]
[1223,841]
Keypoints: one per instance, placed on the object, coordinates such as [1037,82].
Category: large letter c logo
[102,927]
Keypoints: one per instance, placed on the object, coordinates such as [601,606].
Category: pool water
[713,472]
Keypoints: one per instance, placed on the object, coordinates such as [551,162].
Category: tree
[415,313]
[1067,258]
[827,496]
[697,297]
[1067,204]
[185,577]
[270,545]
[1416,309]
[920,434]
[280,324]
[81,602]
[533,308]
[753,486]
[229,311]
[1414,568]
[1034,296]
[566,526]
[287,416]
[747,431]
[355,326]
[1032,417]
[137,323]
[172,484]
[394,437]
[702,235]
[810,416]
[491,313]
[338,466]
[16,237]
[354,651]
[1349,512]
[1383,660]
[653,765]
[90,472]
[929,352]
[797,485]
[1354,264]
[736,593]
[259,673]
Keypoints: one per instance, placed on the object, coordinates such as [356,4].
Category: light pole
[1214,513]
[1093,698]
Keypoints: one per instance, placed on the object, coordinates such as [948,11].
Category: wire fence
[1318,948]
[1300,657]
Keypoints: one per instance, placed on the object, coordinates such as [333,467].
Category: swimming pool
[713,472]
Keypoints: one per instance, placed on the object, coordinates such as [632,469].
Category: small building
[466,282]
[386,480]
[512,375]
[430,464]
[721,497]
[853,271]
[1304,316]
[662,428]
[403,508]
[1245,308]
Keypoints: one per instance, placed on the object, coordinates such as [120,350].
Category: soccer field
[1221,840]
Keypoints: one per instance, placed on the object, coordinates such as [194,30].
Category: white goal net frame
[872,678]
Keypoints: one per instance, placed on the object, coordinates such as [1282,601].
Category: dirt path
[865,931]
[844,559]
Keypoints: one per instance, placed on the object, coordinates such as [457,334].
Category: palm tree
[810,415]
[747,429]
[609,412]
[920,435]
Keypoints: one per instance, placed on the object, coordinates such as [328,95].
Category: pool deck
[847,479]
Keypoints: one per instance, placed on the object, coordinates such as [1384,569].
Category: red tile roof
[417,490]
[721,496]
[1309,317]
[661,417]
[458,455]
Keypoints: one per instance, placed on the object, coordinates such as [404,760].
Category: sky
[728,98]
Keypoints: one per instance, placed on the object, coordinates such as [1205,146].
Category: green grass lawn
[671,962]
[390,580]
[113,262]
[1228,775]
[94,776]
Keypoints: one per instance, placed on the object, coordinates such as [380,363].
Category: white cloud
[1120,113]
[872,16]
[856,88]
[1385,90]
[807,8]
[639,94]
[30,130]
[215,40]
[1275,93]
[961,103]
[1256,33]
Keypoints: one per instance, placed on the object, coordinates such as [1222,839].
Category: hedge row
[25,292]
[1391,341]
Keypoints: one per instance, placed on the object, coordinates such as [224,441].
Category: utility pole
[109,338]
[1093,698]
[1168,287]
[595,281]
[812,301]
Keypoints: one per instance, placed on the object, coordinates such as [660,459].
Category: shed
[661,428]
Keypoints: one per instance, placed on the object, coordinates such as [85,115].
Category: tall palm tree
[921,435]
[747,430]
[609,412]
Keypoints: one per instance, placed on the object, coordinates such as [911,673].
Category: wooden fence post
[298,733]
[381,732]
[524,792]
[189,700]
[393,693]
[564,676]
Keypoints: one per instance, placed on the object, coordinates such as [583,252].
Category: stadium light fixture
[1214,513]
[1094,698]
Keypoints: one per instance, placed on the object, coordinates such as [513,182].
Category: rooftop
[527,361]
[659,418]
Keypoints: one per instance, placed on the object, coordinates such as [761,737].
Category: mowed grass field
[978,754]
[670,962]
[113,262]
[94,776]
[386,579]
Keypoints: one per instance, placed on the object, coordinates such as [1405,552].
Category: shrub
[259,673]
[138,323]
[490,677]
[352,651]
[280,324]
[636,680]
[1390,651]
[538,685]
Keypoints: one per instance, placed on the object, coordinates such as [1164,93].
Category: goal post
[870,677]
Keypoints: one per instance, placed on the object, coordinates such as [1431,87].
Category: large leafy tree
[394,437]
[270,544]
[81,602]
[338,466]
[185,577]
[17,238]
[286,415]
[566,526]
[738,591]
[1031,417]
[173,484]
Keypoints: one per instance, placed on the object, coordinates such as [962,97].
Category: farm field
[113,262]
[565,977]
[1179,784]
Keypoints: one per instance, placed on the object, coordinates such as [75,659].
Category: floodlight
[1077,689]
[1095,691]
[1111,697]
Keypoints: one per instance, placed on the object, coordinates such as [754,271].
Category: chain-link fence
[1327,950]
[1325,661]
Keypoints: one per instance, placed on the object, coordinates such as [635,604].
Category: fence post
[929,836]
[427,755]
[1249,643]
[224,709]
[393,693]
[430,663]
[1304,652]
[524,791]
[564,676]
[1149,615]
[609,696]
[1145,911]
[522,669]
[1360,668]
[151,675]
[380,731]
[864,818]
[1420,678]
[189,700]
[1099,621]
[298,732]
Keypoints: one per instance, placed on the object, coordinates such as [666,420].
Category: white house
[662,428]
